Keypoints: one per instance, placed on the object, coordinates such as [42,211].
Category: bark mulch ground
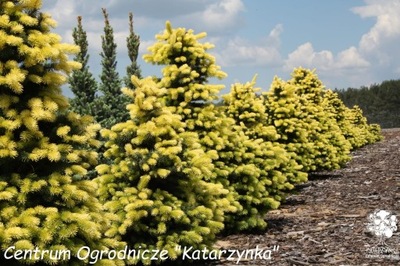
[325,221]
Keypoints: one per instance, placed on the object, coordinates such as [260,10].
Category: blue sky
[349,43]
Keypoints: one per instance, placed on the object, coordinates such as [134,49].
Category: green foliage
[133,43]
[380,102]
[45,151]
[82,82]
[157,183]
[110,105]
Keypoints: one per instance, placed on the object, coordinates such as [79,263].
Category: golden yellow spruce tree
[351,121]
[330,148]
[341,113]
[188,68]
[249,111]
[46,202]
[360,133]
[296,108]
[272,170]
[289,117]
[157,181]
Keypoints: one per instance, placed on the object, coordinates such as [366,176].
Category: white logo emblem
[382,224]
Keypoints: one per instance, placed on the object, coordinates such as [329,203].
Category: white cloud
[222,14]
[62,12]
[387,26]
[241,52]
[348,65]
[351,58]
[325,60]
[144,44]
[305,56]
[373,59]
[274,37]
[380,44]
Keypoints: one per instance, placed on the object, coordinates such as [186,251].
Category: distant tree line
[380,103]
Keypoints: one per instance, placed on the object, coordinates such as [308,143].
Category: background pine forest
[154,163]
[380,102]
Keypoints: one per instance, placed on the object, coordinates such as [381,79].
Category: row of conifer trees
[179,171]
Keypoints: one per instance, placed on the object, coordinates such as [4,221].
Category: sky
[349,43]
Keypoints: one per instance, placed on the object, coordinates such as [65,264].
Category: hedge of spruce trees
[180,169]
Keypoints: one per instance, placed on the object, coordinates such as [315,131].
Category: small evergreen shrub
[360,133]
[270,170]
[307,127]
[156,183]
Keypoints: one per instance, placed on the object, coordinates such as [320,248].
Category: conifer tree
[352,122]
[156,181]
[285,111]
[45,200]
[133,43]
[360,133]
[112,102]
[376,131]
[296,109]
[187,69]
[273,170]
[334,105]
[82,82]
[330,148]
[186,73]
[249,111]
